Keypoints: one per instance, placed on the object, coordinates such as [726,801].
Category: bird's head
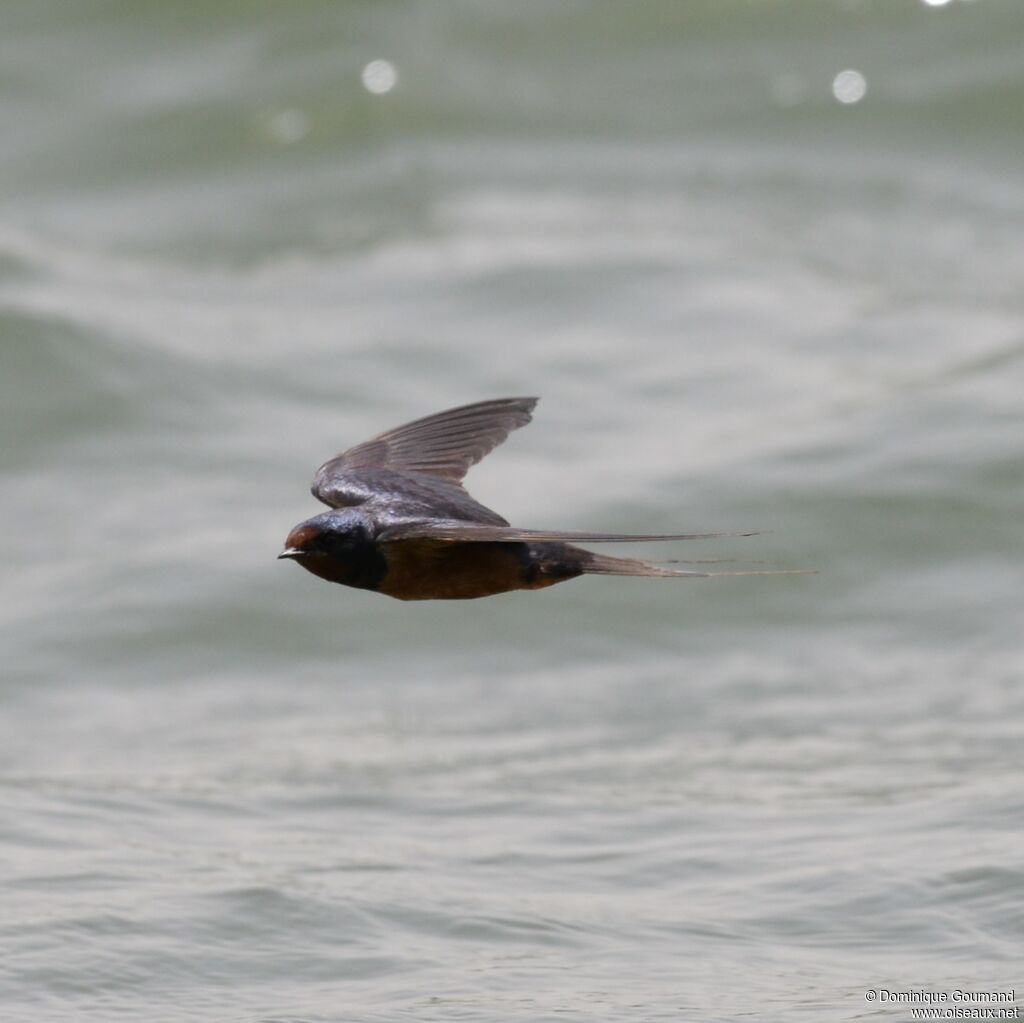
[332,534]
[336,546]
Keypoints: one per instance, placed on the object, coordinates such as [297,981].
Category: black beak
[289,552]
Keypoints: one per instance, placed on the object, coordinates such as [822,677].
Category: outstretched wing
[470,532]
[444,445]
[599,564]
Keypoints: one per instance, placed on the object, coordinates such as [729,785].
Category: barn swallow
[401,523]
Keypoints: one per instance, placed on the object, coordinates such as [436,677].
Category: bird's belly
[438,570]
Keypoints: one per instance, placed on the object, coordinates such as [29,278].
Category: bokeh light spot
[288,126]
[379,77]
[849,86]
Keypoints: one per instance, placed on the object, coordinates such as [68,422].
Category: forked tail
[605,564]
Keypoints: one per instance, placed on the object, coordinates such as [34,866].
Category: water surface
[232,792]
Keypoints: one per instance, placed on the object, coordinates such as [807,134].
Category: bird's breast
[440,570]
[362,566]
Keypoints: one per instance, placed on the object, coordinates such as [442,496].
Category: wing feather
[443,445]
[474,532]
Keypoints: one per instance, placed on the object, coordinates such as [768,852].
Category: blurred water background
[762,261]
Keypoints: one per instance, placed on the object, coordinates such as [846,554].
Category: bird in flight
[401,523]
